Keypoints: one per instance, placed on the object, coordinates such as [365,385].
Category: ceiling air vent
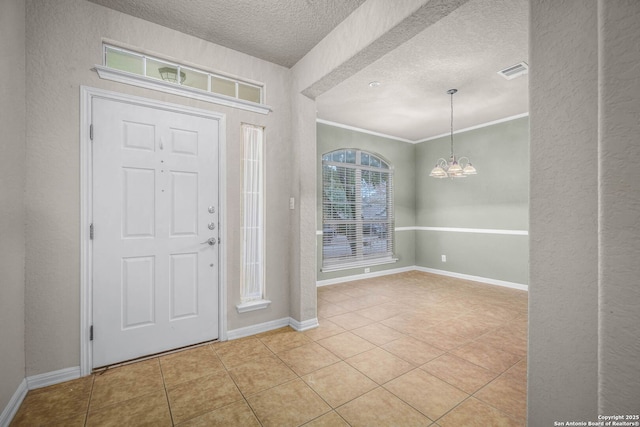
[514,71]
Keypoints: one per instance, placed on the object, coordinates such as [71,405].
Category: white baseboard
[305,325]
[474,278]
[54,377]
[257,329]
[14,404]
[33,382]
[363,276]
[486,280]
[271,325]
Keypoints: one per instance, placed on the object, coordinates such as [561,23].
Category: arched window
[357,210]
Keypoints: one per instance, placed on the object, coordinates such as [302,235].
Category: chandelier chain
[451,92]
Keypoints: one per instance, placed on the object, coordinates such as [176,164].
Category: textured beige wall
[563,287]
[302,256]
[619,376]
[12,176]
[585,209]
[63,43]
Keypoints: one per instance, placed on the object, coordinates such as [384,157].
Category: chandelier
[455,167]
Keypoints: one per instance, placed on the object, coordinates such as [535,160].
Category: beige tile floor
[401,350]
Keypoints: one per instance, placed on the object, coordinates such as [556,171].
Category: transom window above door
[152,72]
[357,210]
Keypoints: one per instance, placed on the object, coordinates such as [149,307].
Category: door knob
[211,241]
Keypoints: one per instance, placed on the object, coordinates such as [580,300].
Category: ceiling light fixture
[455,167]
[170,74]
[374,84]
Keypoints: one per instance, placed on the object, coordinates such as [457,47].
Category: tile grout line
[166,392]
[378,385]
[86,416]
[487,385]
[244,398]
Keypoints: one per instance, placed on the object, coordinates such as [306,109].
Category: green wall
[495,199]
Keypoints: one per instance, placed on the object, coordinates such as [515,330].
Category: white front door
[155,230]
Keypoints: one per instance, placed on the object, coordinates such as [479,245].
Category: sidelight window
[252,226]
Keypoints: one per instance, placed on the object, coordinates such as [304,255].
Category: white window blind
[252,228]
[357,210]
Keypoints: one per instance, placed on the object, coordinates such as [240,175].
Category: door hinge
[218,240]
[91,131]
[91,333]
[91,232]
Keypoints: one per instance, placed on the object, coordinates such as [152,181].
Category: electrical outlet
[444,258]
[367,270]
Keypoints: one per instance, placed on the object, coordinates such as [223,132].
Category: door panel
[184,203]
[184,285]
[138,291]
[155,277]
[138,203]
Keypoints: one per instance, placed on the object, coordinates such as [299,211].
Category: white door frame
[86,214]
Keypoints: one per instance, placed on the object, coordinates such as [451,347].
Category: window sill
[253,305]
[360,264]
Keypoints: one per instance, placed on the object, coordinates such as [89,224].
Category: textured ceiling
[279,31]
[463,50]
